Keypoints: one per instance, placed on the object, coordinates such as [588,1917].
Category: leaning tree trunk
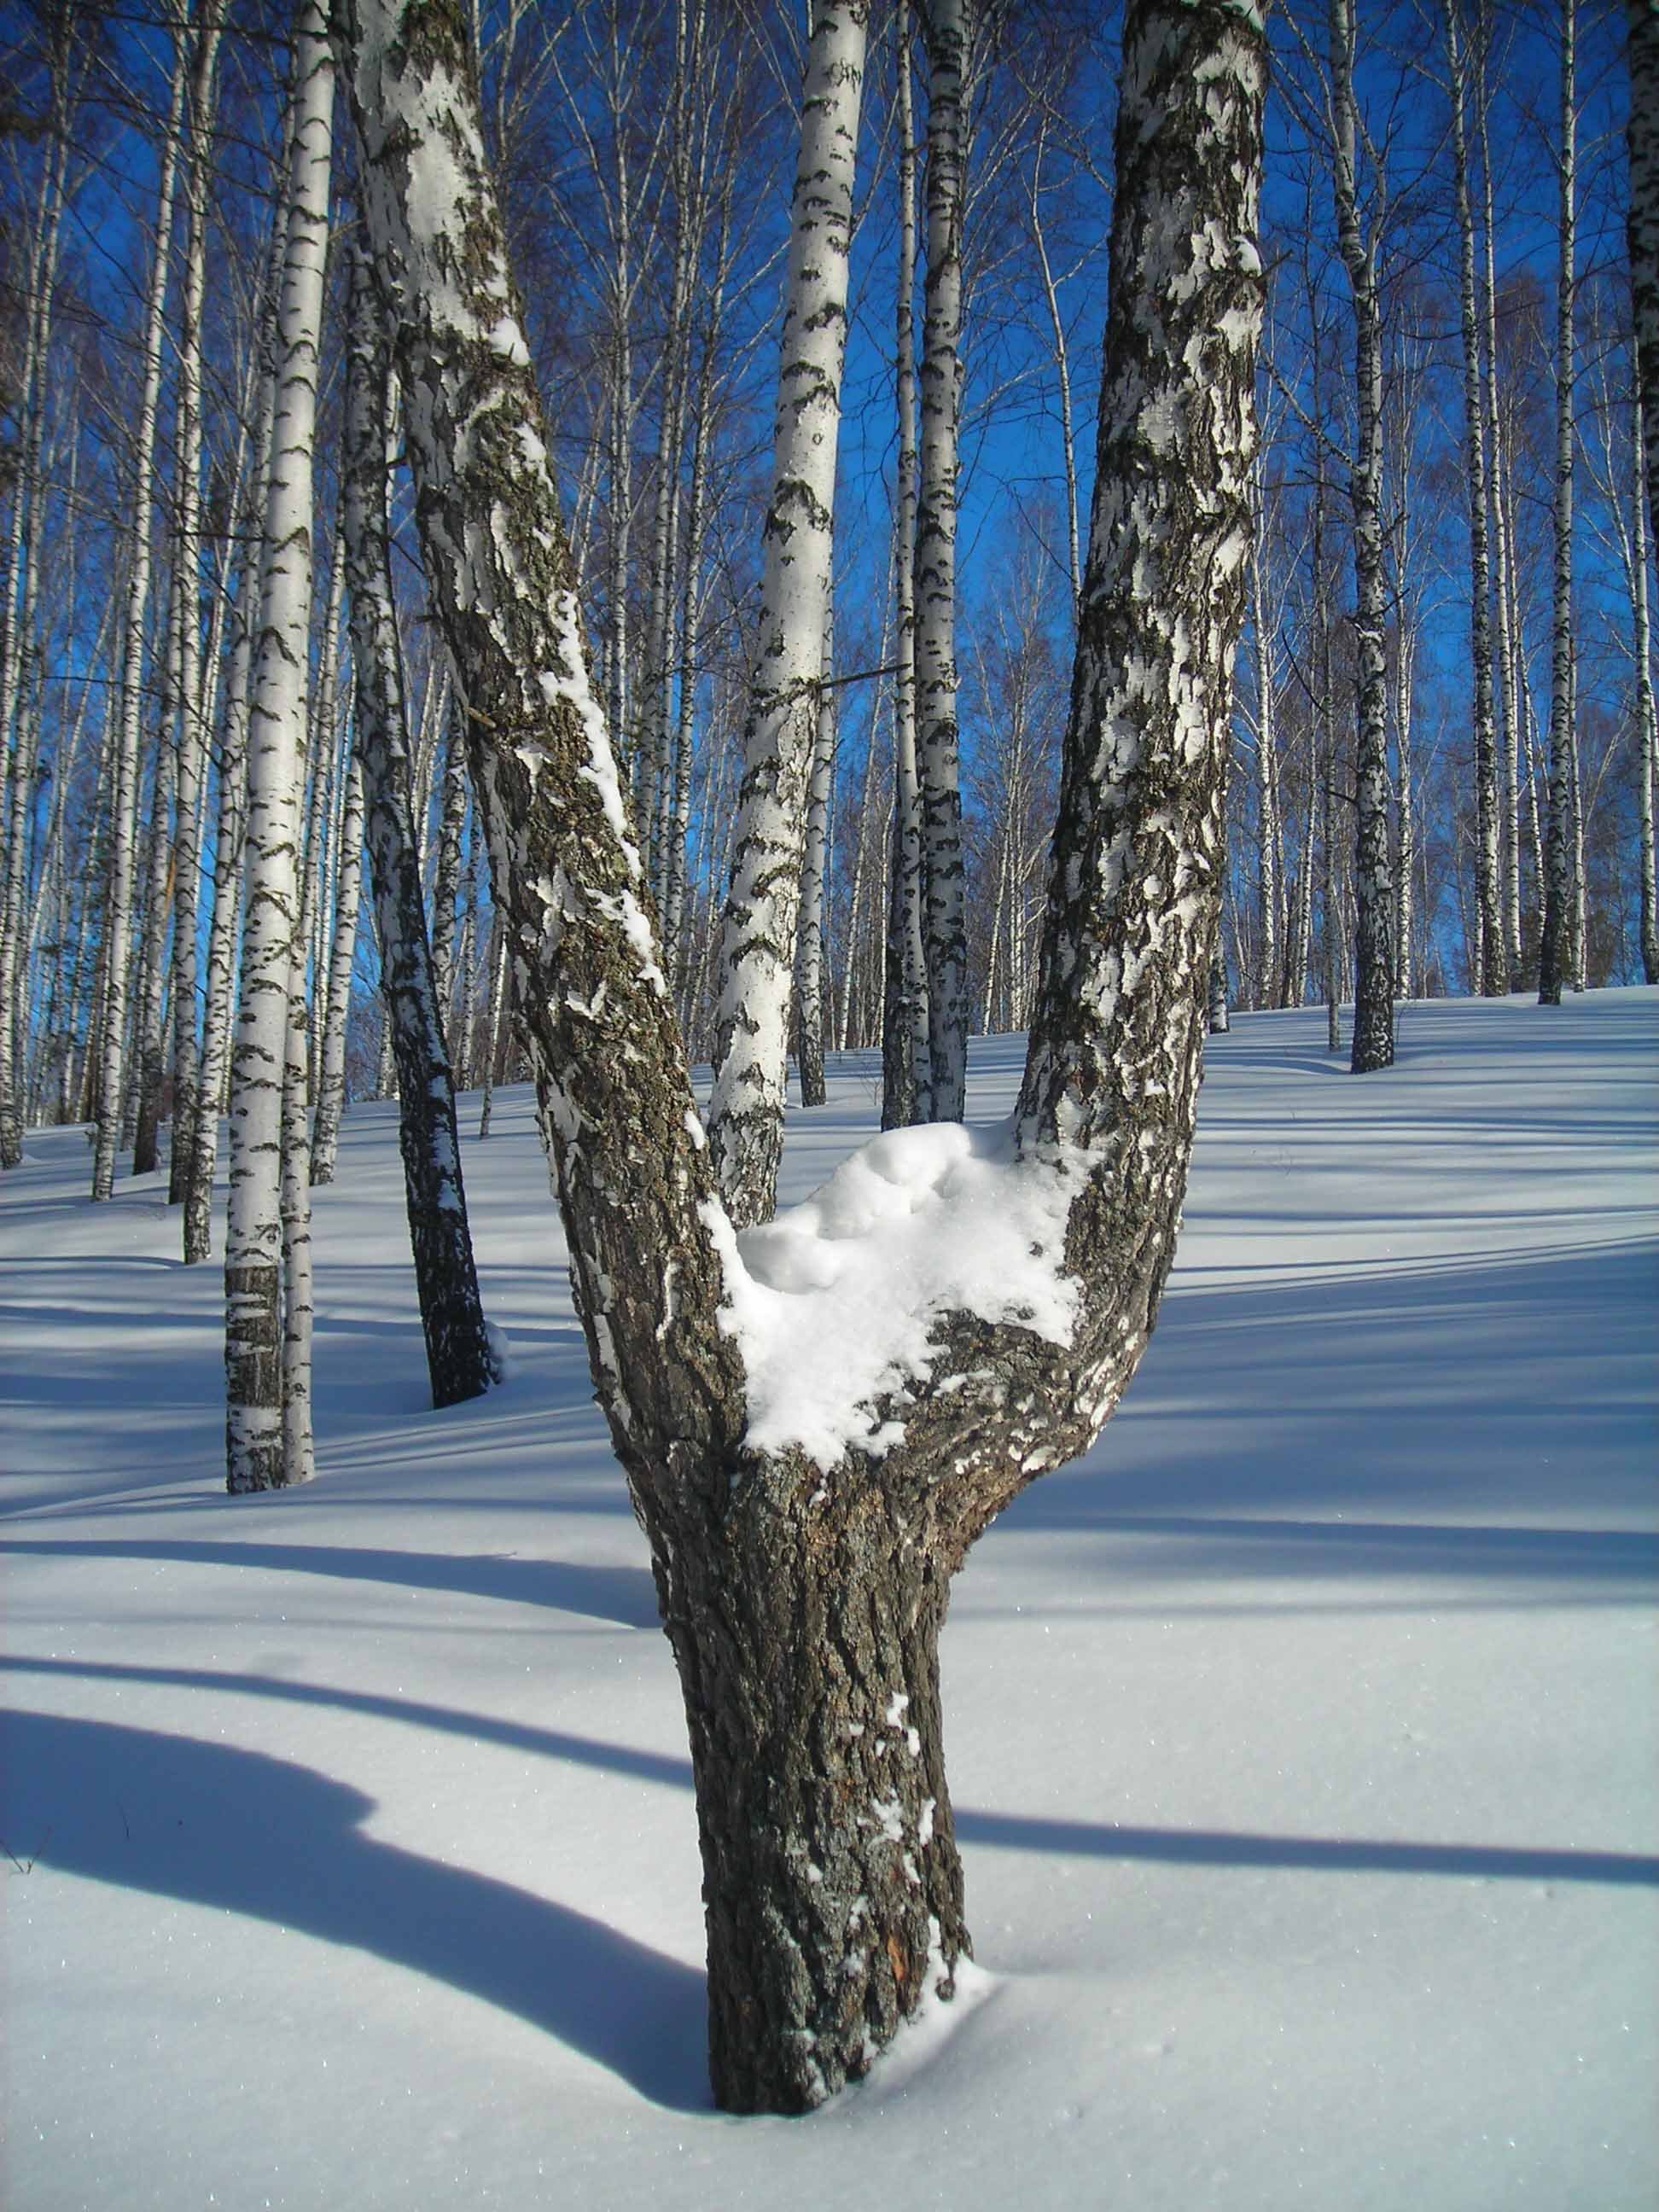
[802,1579]
[1494,978]
[947,30]
[1642,130]
[757,948]
[458,1358]
[1374,920]
[257,1436]
[1554,945]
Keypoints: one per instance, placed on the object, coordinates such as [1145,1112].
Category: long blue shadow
[1000,1831]
[280,1843]
[625,1595]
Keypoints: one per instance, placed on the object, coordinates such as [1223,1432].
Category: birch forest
[245,866]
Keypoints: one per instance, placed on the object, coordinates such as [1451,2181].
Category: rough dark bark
[803,1602]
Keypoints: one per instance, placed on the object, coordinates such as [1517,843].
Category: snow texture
[834,1300]
[1304,1746]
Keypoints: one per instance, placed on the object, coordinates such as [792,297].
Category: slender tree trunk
[802,1600]
[1554,945]
[1373,1012]
[1648,721]
[458,1357]
[1643,133]
[757,955]
[906,1079]
[331,1098]
[948,35]
[20,616]
[809,977]
[1270,904]
[1493,979]
[118,925]
[263,1449]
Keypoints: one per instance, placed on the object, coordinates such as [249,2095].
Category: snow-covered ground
[1303,1738]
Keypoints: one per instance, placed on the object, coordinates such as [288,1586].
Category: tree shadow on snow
[278,1842]
[625,1597]
[999,1831]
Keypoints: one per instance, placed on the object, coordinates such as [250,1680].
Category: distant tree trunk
[119,908]
[803,1600]
[758,956]
[1270,898]
[331,1098]
[267,1449]
[1493,979]
[809,976]
[18,619]
[1373,930]
[1554,945]
[947,34]
[1642,130]
[1647,747]
[458,1358]
[907,1083]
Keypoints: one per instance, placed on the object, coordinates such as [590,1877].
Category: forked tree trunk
[757,933]
[803,1599]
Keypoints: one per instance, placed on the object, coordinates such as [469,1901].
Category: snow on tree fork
[802,1581]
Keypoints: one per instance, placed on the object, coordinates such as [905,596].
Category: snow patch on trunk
[834,1302]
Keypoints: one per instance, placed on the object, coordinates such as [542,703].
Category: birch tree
[947,35]
[459,1360]
[757,948]
[1643,133]
[802,1564]
[1555,936]
[1374,920]
[268,1444]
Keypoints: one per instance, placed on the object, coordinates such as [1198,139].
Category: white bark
[948,31]
[757,958]
[1555,937]
[263,1451]
[119,924]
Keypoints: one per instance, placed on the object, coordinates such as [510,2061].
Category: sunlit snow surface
[1303,1738]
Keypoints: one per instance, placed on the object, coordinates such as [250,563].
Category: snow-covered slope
[1302,1738]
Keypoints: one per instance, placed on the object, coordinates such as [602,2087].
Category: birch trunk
[1648,721]
[1554,942]
[1643,138]
[459,1361]
[757,948]
[331,1090]
[907,1080]
[809,976]
[1493,979]
[118,925]
[20,616]
[803,1600]
[947,34]
[264,1450]
[1373,1010]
